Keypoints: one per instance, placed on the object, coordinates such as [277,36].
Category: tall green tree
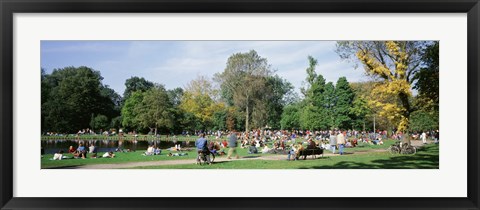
[313,114]
[291,116]
[130,112]
[100,122]
[243,81]
[69,98]
[343,104]
[112,101]
[428,77]
[134,84]
[329,106]
[426,103]
[156,109]
[277,95]
[175,95]
[359,112]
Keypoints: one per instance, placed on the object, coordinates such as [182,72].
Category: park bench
[313,152]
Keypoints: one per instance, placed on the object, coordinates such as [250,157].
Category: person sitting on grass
[108,155]
[265,149]
[150,150]
[92,150]
[212,148]
[157,151]
[348,144]
[252,149]
[298,150]
[354,142]
[81,152]
[378,141]
[71,150]
[224,143]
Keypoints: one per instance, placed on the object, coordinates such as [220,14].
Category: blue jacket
[201,144]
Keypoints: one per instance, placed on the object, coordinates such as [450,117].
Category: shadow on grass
[252,156]
[63,167]
[427,157]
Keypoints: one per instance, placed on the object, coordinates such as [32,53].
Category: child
[291,152]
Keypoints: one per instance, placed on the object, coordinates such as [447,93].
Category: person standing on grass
[232,144]
[340,142]
[424,137]
[333,141]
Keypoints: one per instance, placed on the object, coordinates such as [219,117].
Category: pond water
[53,146]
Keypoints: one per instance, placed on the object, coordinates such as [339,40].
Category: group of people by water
[81,152]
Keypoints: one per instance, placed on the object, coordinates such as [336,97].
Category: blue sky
[175,63]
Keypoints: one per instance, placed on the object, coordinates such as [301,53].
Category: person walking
[340,142]
[232,144]
[333,141]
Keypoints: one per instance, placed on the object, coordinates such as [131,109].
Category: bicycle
[402,148]
[202,157]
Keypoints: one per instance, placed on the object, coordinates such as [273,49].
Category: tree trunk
[406,104]
[246,120]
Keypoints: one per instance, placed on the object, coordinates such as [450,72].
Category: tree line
[248,94]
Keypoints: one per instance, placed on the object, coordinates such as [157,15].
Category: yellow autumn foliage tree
[199,99]
[392,65]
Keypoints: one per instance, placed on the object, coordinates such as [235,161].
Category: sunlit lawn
[426,158]
[362,156]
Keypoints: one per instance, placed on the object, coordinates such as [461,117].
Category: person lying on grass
[59,156]
[177,154]
[108,155]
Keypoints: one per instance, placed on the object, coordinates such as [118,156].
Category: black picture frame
[10,7]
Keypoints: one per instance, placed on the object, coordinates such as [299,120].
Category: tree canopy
[70,96]
[393,64]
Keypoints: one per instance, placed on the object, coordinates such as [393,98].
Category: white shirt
[424,136]
[57,156]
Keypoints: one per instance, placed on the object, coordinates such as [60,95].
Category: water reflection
[53,146]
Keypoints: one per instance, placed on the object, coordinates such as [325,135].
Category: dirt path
[191,161]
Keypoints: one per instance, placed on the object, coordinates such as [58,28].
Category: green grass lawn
[119,158]
[358,157]
[426,158]
[124,157]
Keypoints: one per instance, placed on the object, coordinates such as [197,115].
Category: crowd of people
[256,141]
